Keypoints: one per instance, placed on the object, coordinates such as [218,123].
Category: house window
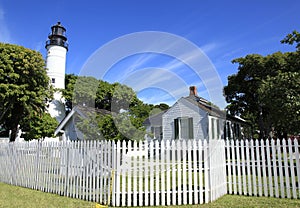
[184,128]
[53,80]
[215,128]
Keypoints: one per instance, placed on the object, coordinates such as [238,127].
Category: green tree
[123,97]
[88,91]
[113,126]
[127,111]
[70,80]
[24,86]
[38,126]
[280,94]
[162,106]
[139,111]
[259,83]
[119,127]
[84,91]
[89,126]
[104,95]
[292,38]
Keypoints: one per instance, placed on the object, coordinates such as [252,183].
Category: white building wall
[57,109]
[184,108]
[56,65]
[70,131]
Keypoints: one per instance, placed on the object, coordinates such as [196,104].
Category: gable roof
[206,106]
[83,112]
[213,110]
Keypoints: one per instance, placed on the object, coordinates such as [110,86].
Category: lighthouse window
[53,80]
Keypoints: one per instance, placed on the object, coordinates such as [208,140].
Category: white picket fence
[169,173]
[74,169]
[148,174]
[155,173]
[263,168]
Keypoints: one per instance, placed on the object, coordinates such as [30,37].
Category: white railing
[181,172]
[263,168]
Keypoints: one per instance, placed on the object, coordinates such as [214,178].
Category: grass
[258,185]
[13,196]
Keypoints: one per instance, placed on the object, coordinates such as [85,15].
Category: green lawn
[12,196]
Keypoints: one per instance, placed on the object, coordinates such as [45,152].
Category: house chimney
[193,91]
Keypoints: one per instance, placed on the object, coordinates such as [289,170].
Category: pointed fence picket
[291,161]
[174,172]
[269,165]
[269,168]
[264,168]
[206,172]
[258,168]
[168,173]
[158,163]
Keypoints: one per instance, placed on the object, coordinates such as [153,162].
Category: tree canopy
[38,126]
[266,89]
[24,90]
[127,112]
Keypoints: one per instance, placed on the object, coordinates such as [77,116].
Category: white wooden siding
[184,108]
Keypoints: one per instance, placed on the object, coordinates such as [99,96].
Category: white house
[194,117]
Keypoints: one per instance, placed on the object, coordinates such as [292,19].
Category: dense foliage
[266,90]
[24,89]
[126,112]
[38,126]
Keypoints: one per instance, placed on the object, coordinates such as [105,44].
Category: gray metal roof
[155,120]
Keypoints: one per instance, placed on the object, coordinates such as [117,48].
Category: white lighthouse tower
[57,48]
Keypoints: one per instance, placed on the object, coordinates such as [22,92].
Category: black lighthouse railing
[57,36]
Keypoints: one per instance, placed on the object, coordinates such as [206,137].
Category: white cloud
[178,65]
[172,65]
[141,60]
[149,77]
[208,47]
[158,78]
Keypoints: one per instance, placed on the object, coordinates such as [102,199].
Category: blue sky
[223,30]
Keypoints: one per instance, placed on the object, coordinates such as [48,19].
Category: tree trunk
[14,133]
[17,115]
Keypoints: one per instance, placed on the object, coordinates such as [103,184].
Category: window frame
[183,128]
